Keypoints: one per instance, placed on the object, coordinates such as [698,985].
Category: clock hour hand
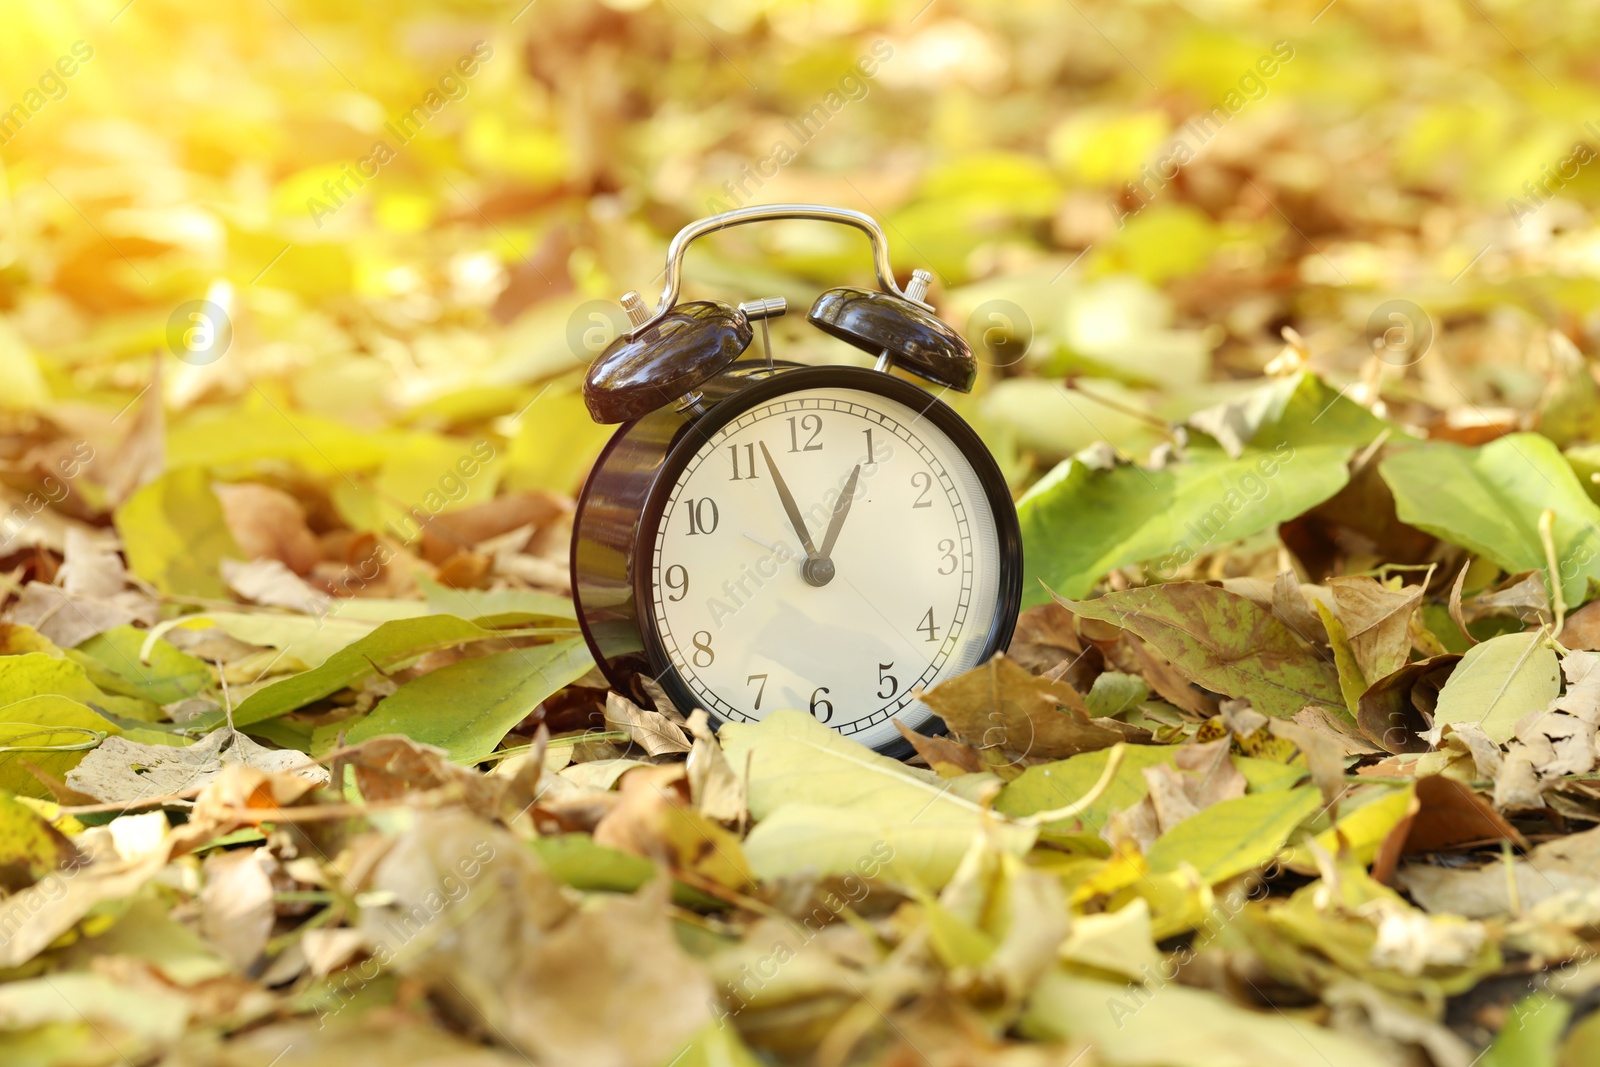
[789,506]
[841,508]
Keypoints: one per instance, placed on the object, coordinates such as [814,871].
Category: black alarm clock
[761,534]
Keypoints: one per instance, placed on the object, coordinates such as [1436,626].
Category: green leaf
[1223,641]
[576,860]
[1079,523]
[30,848]
[1114,693]
[1055,785]
[1352,683]
[174,534]
[43,721]
[1532,1032]
[391,646]
[1234,836]
[498,607]
[1498,682]
[1364,824]
[112,662]
[37,673]
[466,708]
[1489,500]
[826,803]
[1133,1026]
[311,639]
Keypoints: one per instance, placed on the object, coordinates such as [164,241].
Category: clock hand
[841,508]
[795,518]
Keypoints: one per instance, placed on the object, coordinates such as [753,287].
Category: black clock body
[623,500]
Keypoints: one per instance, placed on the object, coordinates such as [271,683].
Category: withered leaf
[1224,642]
[998,705]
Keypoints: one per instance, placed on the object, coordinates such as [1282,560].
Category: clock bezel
[694,435]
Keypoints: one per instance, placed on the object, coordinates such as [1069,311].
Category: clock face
[829,549]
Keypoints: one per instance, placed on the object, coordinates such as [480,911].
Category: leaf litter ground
[1293,758]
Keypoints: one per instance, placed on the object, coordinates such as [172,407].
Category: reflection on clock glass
[905,577]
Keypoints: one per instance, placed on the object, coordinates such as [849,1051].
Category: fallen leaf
[1224,642]
[1193,1027]
[128,772]
[1497,683]
[30,848]
[1396,712]
[236,904]
[717,789]
[1488,501]
[477,919]
[392,645]
[1377,620]
[269,524]
[175,535]
[825,803]
[650,730]
[998,705]
[270,582]
[468,707]
[1233,836]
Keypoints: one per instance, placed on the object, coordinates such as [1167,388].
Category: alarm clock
[760,534]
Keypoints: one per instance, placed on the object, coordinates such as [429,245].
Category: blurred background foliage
[207,151]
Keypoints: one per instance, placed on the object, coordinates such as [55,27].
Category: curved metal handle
[769,213]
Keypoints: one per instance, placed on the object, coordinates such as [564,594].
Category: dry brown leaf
[236,906]
[1522,596]
[1001,706]
[1336,727]
[942,754]
[476,919]
[1582,696]
[1396,711]
[717,789]
[389,768]
[654,819]
[142,454]
[650,730]
[1557,743]
[1289,604]
[1045,638]
[1517,787]
[272,583]
[1324,753]
[1444,813]
[268,523]
[1173,687]
[126,772]
[1455,602]
[445,535]
[1377,621]
[1582,629]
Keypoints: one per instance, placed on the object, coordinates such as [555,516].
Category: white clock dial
[915,563]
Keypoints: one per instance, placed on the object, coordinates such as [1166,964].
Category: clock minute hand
[795,518]
[841,508]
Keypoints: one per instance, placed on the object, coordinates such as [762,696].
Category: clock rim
[694,435]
